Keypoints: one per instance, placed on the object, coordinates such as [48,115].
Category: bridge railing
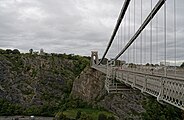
[168,89]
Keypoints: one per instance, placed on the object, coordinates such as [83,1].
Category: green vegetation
[8,108]
[157,111]
[53,74]
[85,114]
[9,51]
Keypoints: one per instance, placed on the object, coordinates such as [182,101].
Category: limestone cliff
[37,80]
[89,86]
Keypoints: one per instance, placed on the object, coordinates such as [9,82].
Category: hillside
[34,81]
[43,85]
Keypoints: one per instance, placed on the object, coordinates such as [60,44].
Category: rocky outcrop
[89,86]
[36,80]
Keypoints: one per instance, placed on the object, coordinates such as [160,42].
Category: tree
[8,51]
[2,51]
[182,65]
[157,111]
[31,51]
[15,51]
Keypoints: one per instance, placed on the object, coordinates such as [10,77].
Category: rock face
[126,105]
[89,86]
[36,80]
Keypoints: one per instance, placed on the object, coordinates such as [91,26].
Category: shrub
[102,117]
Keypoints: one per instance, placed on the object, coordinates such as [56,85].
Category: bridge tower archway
[94,57]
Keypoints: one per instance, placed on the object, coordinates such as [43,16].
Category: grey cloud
[79,26]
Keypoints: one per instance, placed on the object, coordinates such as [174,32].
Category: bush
[155,111]
[60,116]
[102,117]
[111,118]
[84,116]
[78,115]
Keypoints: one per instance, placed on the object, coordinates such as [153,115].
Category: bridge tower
[94,57]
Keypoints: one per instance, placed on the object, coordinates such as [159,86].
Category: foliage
[147,64]
[80,63]
[2,51]
[102,117]
[78,115]
[155,111]
[87,114]
[15,51]
[58,68]
[60,116]
[8,51]
[31,51]
[7,108]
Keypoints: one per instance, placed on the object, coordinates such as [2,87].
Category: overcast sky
[78,26]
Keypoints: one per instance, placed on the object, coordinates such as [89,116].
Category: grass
[93,113]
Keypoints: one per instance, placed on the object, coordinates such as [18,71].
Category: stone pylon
[94,57]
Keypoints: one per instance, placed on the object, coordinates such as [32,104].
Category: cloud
[74,26]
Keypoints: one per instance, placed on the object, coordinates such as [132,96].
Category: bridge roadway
[169,89]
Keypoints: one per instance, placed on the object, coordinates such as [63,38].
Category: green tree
[31,51]
[2,51]
[157,111]
[15,51]
[8,51]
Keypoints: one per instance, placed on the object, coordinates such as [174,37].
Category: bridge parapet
[168,89]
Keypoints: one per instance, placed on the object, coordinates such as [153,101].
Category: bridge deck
[169,89]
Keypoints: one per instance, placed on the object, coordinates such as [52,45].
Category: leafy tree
[157,111]
[2,51]
[15,51]
[31,51]
[8,51]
